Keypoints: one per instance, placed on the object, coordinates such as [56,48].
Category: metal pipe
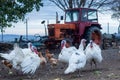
[108,28]
[26,29]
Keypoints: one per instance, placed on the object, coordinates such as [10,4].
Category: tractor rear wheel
[94,34]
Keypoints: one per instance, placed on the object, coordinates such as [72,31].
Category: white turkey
[66,51]
[32,48]
[93,53]
[23,59]
[77,60]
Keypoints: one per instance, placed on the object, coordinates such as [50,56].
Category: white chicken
[93,53]
[23,59]
[77,59]
[66,52]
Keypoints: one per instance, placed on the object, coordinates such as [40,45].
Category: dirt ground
[109,69]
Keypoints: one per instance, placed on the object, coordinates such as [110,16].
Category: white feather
[15,57]
[7,56]
[66,53]
[30,63]
[19,56]
[77,60]
[93,53]
[23,59]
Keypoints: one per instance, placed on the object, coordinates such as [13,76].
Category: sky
[48,13]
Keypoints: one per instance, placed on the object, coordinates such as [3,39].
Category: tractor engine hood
[62,26]
[56,31]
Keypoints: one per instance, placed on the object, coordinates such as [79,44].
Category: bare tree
[116,10]
[101,5]
[96,4]
[66,4]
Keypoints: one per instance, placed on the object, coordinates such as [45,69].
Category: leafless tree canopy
[101,5]
[96,4]
[66,4]
[116,10]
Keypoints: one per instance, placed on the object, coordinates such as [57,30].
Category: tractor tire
[94,34]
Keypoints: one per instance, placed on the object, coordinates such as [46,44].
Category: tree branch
[57,4]
[82,3]
[90,3]
[66,3]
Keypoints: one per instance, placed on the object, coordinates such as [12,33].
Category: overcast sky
[48,13]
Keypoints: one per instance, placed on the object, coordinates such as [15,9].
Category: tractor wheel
[94,34]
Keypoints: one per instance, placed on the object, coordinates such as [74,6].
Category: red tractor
[79,23]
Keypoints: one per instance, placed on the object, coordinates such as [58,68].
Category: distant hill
[11,37]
